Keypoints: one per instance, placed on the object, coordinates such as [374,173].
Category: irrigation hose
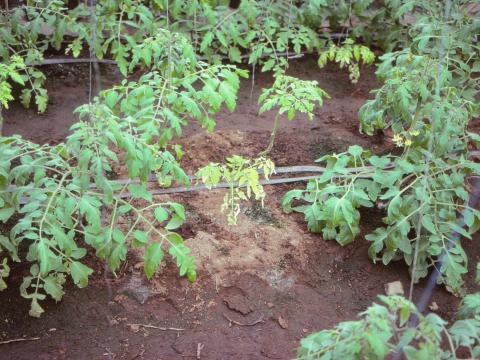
[369,171]
[58,61]
[221,185]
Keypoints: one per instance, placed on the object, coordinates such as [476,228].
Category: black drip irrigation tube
[369,171]
[318,170]
[453,239]
[60,61]
[91,59]
[272,181]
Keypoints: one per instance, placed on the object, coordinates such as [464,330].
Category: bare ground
[263,284]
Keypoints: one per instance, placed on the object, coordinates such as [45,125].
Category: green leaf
[6,213]
[234,54]
[10,247]
[174,223]
[43,256]
[221,38]
[118,236]
[17,78]
[118,255]
[355,150]
[35,309]
[428,223]
[174,238]
[377,345]
[404,316]
[111,99]
[80,273]
[139,191]
[88,207]
[288,198]
[41,99]
[185,263]
[469,307]
[53,286]
[207,40]
[141,237]
[26,97]
[268,65]
[179,210]
[124,209]
[152,259]
[161,214]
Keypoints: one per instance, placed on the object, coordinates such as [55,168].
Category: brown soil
[263,284]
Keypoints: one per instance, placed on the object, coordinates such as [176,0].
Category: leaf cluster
[61,214]
[243,178]
[396,326]
[427,100]
[291,95]
[160,106]
[350,55]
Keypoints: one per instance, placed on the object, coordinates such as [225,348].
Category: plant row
[60,201]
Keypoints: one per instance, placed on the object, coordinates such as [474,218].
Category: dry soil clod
[282,322]
[394,288]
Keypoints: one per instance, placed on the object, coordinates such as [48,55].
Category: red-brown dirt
[263,284]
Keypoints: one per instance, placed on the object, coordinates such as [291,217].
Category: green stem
[272,136]
[1,121]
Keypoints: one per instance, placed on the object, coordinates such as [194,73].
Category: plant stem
[431,142]
[272,136]
[1,121]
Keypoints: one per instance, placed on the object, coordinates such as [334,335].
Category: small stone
[119,298]
[305,331]
[394,288]
[434,306]
[52,329]
[136,289]
[282,322]
[134,327]
[270,305]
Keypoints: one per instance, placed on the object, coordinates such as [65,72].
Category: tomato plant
[60,200]
[290,95]
[384,330]
[146,33]
[427,100]
[48,189]
[397,328]
[239,173]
